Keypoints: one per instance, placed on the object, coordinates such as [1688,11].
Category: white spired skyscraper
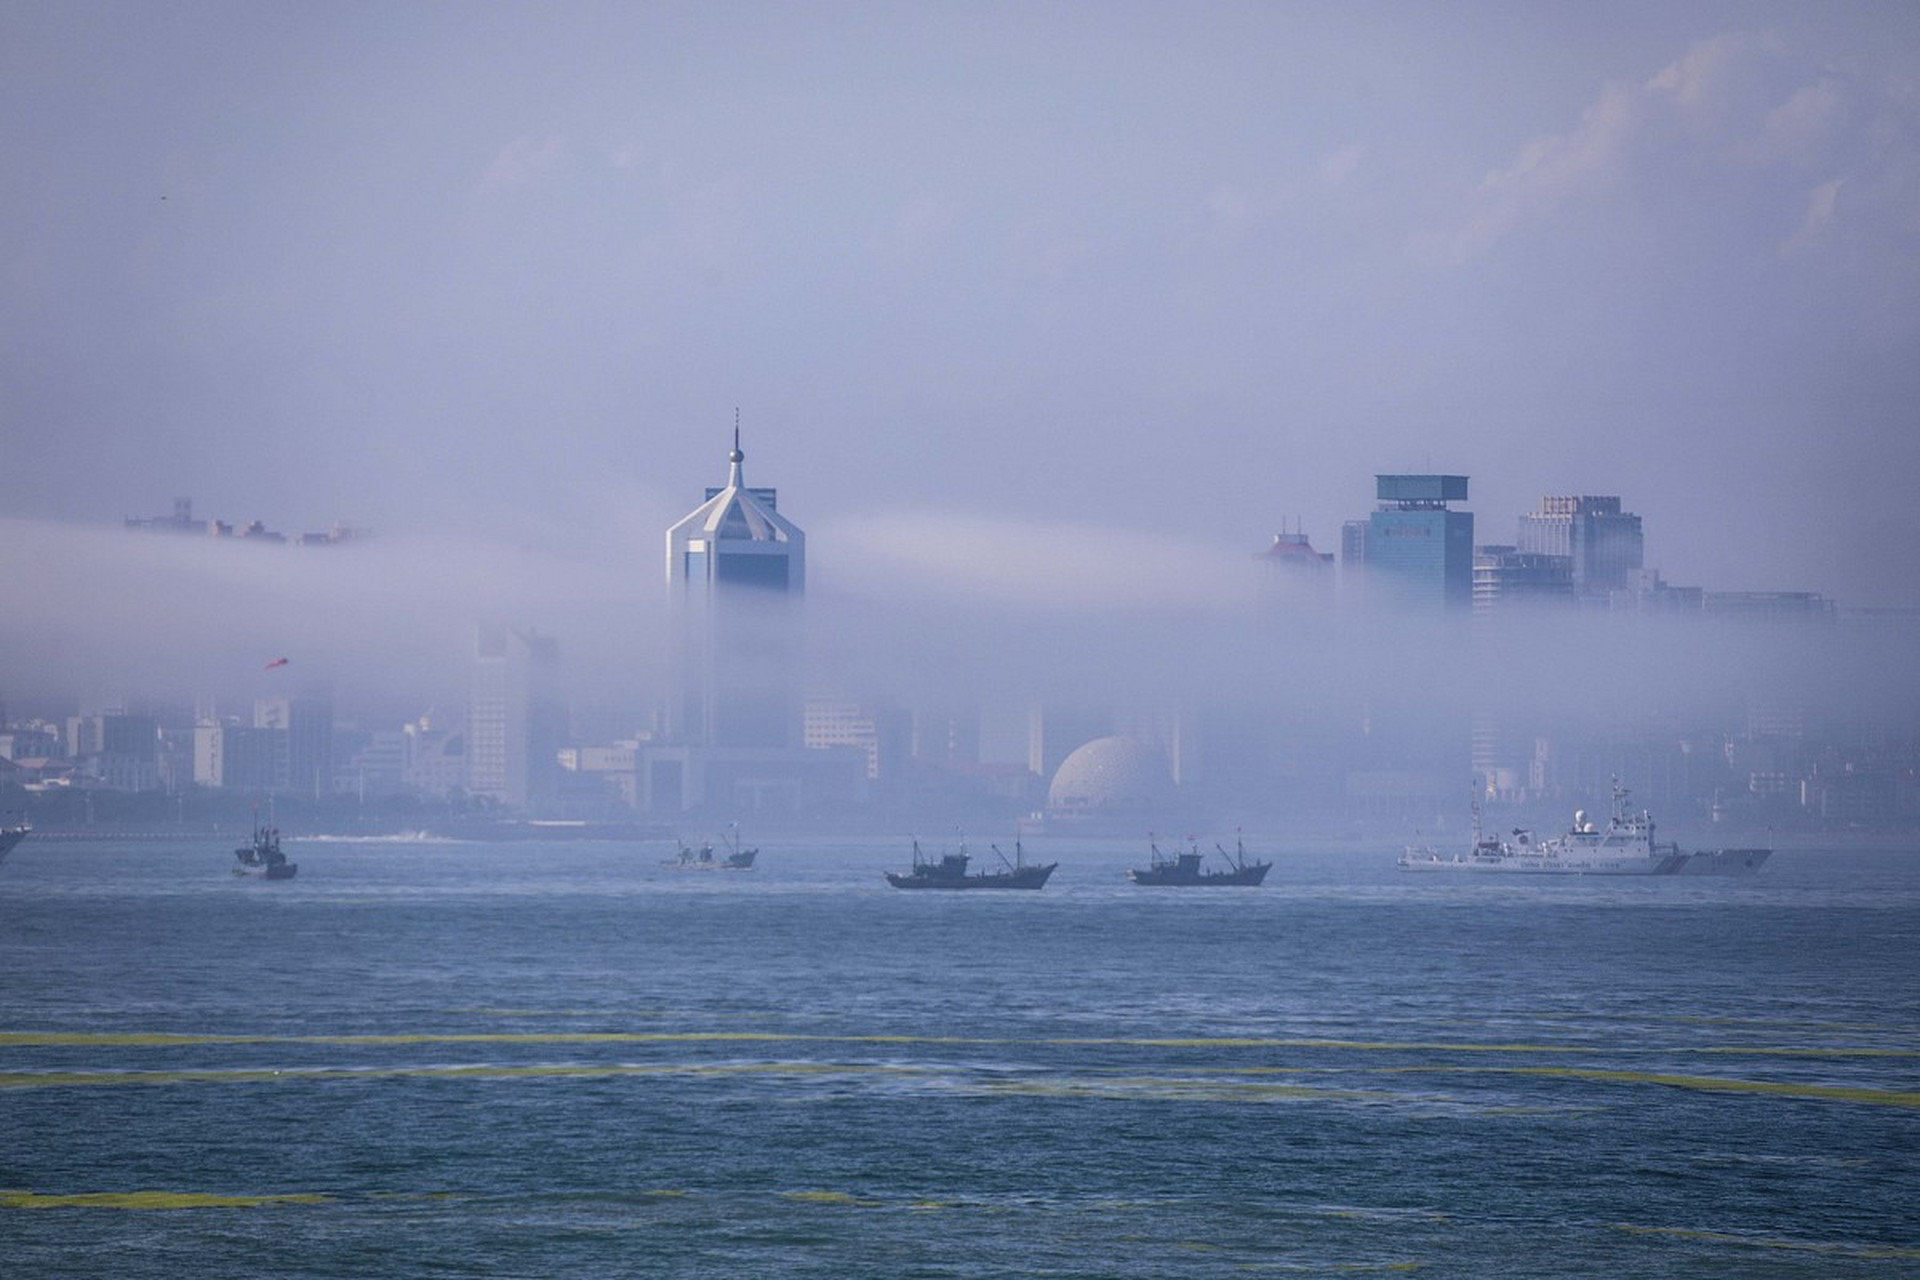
[736,571]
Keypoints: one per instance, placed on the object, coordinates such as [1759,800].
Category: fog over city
[1075,615]
[1043,320]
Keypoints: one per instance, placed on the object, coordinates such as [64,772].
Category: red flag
[277,662]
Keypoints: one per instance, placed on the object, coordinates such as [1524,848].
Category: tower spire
[736,457]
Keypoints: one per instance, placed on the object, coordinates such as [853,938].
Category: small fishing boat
[949,871]
[1184,869]
[261,856]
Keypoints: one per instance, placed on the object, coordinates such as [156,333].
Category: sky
[1047,304]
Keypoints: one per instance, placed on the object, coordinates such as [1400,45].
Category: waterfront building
[608,773]
[515,718]
[436,757]
[305,766]
[24,743]
[238,757]
[372,762]
[116,750]
[882,733]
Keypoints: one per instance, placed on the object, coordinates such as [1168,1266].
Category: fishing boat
[737,859]
[691,859]
[705,859]
[261,856]
[1183,869]
[949,871]
[12,832]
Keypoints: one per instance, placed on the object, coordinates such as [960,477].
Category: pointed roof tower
[737,520]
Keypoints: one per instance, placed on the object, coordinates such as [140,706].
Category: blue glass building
[736,570]
[1416,552]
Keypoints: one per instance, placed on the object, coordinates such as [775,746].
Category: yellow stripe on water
[829,1197]
[1709,1084]
[483,1011]
[1865,1251]
[1719,1084]
[114,1039]
[168,1040]
[1183,1089]
[299,1075]
[149,1200]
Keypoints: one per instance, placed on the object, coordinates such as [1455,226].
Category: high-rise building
[1298,572]
[120,751]
[306,755]
[1416,551]
[1507,578]
[736,571]
[436,757]
[883,733]
[239,757]
[515,718]
[1604,543]
[733,737]
[1353,562]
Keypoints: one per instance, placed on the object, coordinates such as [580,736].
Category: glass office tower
[736,572]
[1418,553]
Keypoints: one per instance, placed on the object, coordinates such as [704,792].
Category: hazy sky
[1059,284]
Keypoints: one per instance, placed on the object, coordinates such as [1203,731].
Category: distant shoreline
[602,833]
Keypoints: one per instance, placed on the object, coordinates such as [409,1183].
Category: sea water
[573,1060]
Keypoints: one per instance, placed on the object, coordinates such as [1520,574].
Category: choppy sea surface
[571,1060]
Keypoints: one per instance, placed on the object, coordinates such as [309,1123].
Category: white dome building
[1112,777]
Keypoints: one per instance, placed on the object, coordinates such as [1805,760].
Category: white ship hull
[1623,847]
[1510,864]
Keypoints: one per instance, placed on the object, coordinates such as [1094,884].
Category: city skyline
[1748,705]
[906,607]
[1020,651]
[1047,274]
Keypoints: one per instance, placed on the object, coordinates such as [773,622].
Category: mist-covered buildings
[737,723]
[183,521]
[516,718]
[1603,545]
[284,745]
[1574,549]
